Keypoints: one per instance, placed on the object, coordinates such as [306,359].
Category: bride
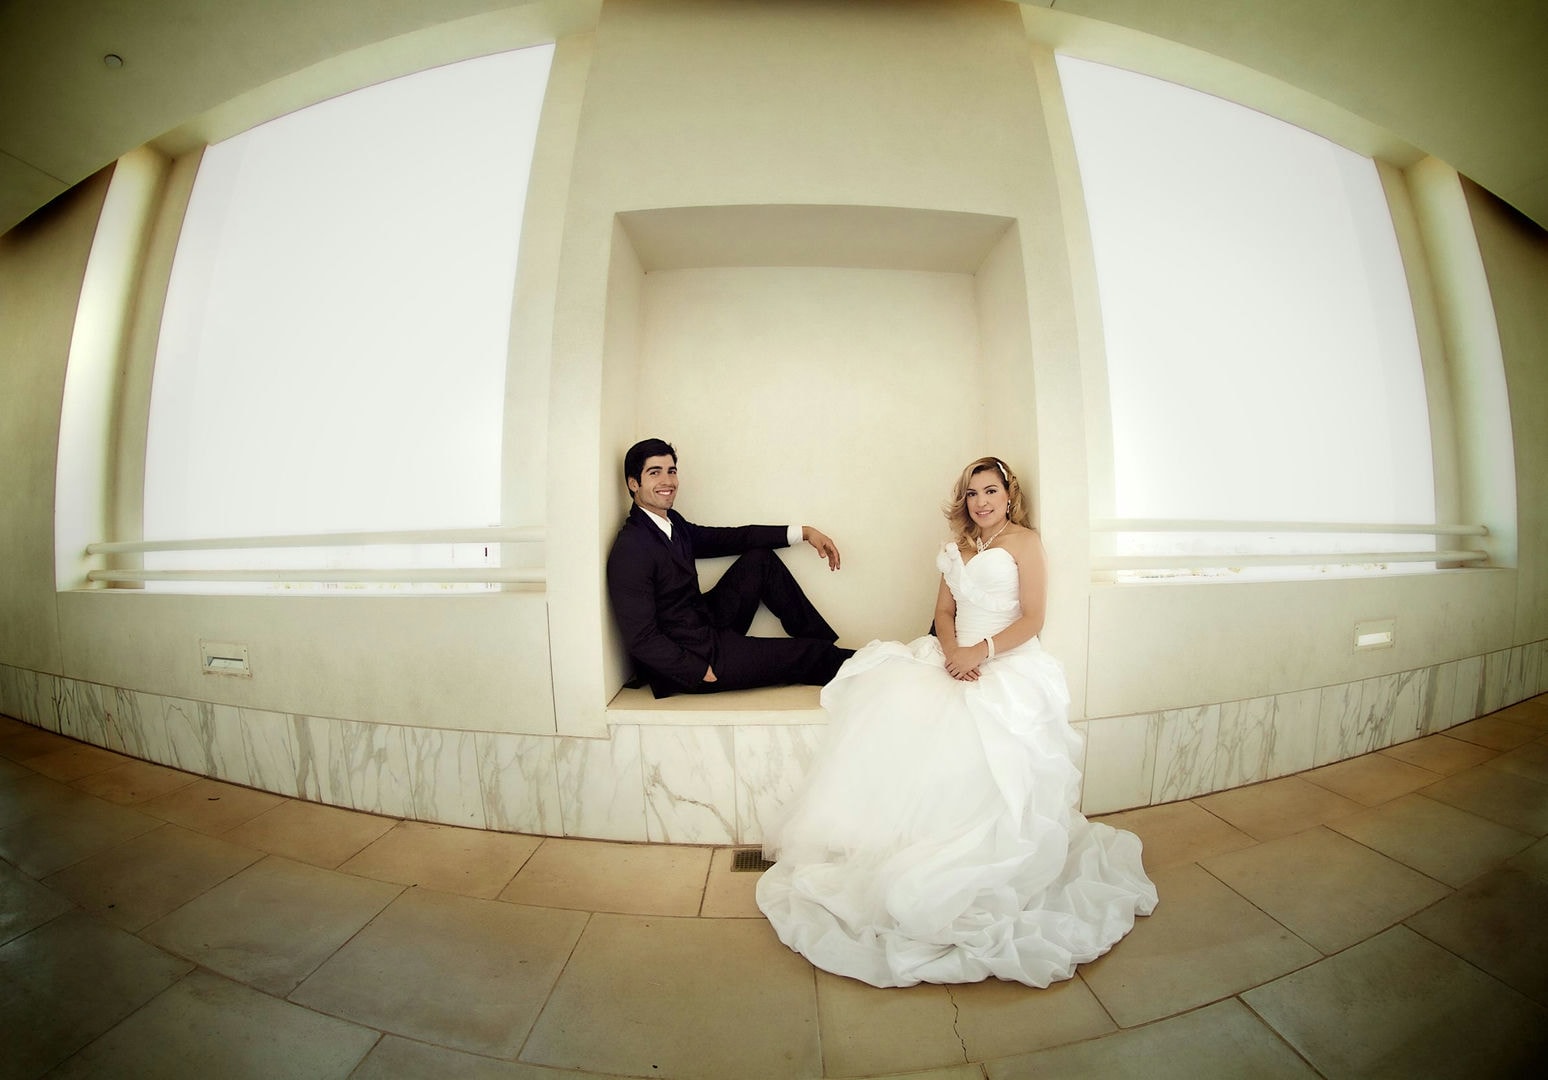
[937,837]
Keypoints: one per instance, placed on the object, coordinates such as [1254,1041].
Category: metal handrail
[1229,559]
[1106,525]
[497,534]
[429,575]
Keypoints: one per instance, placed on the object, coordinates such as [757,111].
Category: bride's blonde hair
[963,527]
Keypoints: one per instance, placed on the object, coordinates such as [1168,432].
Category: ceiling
[1462,80]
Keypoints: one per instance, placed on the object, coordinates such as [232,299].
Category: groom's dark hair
[641,452]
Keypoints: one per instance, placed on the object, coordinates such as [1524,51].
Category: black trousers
[807,656]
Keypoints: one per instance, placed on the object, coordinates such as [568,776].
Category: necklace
[983,545]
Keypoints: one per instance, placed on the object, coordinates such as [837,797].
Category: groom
[685,641]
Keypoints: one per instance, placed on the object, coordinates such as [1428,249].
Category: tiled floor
[1386,916]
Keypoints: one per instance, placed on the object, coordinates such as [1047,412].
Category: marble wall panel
[1245,745]
[1532,670]
[690,784]
[1295,732]
[319,759]
[1120,762]
[1467,701]
[443,781]
[771,763]
[1187,748]
[8,693]
[1495,665]
[124,719]
[1409,705]
[519,783]
[1436,711]
[601,789]
[224,747]
[151,737]
[374,761]
[206,739]
[1378,706]
[271,753]
[1516,675]
[84,710]
[1338,722]
[41,700]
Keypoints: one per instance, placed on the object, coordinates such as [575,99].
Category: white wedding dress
[937,837]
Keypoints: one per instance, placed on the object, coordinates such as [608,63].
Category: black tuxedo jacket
[654,587]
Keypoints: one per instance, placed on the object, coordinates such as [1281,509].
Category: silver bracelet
[989,641]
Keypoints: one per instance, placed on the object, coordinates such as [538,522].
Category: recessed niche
[825,365]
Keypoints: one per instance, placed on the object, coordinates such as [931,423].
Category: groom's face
[656,489]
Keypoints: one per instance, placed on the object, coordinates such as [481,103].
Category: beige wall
[42,266]
[841,385]
[1515,259]
[822,105]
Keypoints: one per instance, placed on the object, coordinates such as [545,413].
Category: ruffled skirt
[937,837]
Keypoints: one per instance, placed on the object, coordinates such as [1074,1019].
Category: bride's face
[987,500]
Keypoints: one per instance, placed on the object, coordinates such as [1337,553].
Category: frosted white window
[1261,354]
[333,348]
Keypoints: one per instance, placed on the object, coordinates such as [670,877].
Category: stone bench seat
[734,708]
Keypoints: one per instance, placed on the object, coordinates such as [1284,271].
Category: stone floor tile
[468,862]
[274,923]
[1530,761]
[32,795]
[867,1031]
[730,894]
[627,879]
[1496,923]
[1372,779]
[67,982]
[134,782]
[74,760]
[395,1058]
[1503,797]
[140,880]
[1399,1006]
[1203,943]
[1532,713]
[1440,841]
[1279,807]
[209,1026]
[25,904]
[1329,890]
[211,806]
[692,999]
[457,971]
[1178,833]
[1000,1019]
[1223,1041]
[1440,754]
[29,742]
[1494,732]
[1534,860]
[69,833]
[310,832]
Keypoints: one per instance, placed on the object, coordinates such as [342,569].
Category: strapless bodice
[987,589]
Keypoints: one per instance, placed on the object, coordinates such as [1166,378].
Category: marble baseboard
[720,783]
[1143,759]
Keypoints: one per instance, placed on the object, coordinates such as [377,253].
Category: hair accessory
[1003,474]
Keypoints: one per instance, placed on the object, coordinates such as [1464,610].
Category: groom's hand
[825,547]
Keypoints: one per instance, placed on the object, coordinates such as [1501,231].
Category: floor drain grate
[749,860]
